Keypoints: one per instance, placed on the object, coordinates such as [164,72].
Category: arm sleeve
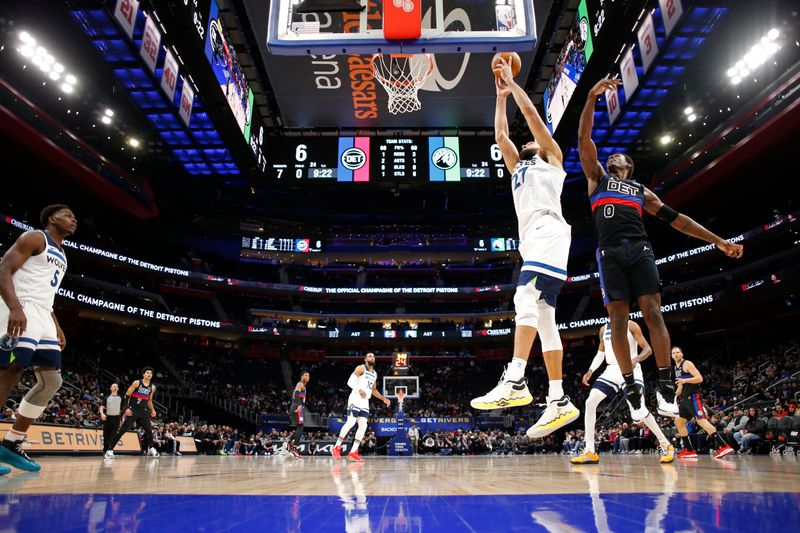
[597,361]
[352,382]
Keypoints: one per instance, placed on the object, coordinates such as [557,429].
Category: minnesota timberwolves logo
[353,158]
[444,158]
[8,343]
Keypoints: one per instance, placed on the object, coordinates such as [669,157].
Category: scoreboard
[385,159]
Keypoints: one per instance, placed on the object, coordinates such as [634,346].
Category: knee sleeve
[47,384]
[362,428]
[548,329]
[525,305]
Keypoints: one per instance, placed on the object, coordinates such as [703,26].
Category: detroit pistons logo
[8,343]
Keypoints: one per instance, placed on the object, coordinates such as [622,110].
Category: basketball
[512,57]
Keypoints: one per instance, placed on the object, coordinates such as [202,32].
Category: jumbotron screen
[385,159]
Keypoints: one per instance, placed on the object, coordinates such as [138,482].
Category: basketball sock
[15,436]
[516,369]
[356,443]
[650,422]
[666,384]
[556,390]
[339,442]
[687,443]
[715,438]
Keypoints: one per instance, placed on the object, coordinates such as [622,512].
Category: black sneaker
[11,453]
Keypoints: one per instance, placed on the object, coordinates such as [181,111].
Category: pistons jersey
[536,186]
[141,395]
[617,211]
[38,279]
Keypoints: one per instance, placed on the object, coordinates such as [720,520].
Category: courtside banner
[387,426]
[44,438]
[188,445]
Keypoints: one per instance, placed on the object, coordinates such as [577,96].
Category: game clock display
[386,159]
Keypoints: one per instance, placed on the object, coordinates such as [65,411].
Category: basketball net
[401,395]
[402,75]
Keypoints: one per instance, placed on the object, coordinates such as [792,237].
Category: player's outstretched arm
[647,350]
[550,150]
[586,148]
[685,224]
[27,245]
[381,397]
[507,148]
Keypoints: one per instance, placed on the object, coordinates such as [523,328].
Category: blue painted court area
[565,512]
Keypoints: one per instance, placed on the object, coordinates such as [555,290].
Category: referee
[109,414]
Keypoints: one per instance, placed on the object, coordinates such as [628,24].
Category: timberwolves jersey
[536,186]
[611,357]
[617,211]
[38,279]
[141,395]
[366,382]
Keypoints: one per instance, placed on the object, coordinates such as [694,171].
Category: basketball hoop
[402,75]
[401,395]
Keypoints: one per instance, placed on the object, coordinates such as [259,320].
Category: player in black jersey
[690,407]
[139,409]
[297,413]
[625,256]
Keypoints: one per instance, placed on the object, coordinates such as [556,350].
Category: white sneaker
[559,412]
[178,454]
[665,408]
[507,393]
[152,452]
[637,415]
[109,454]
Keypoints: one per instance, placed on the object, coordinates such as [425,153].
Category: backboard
[409,384]
[448,26]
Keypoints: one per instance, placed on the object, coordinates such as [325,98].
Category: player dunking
[31,272]
[536,183]
[362,381]
[690,407]
[297,413]
[139,409]
[625,256]
[609,383]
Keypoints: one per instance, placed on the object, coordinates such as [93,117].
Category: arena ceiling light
[666,139]
[134,142]
[758,54]
[38,55]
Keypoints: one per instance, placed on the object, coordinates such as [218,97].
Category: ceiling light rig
[758,54]
[38,55]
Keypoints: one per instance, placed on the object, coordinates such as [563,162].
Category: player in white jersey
[362,381]
[536,182]
[31,272]
[610,382]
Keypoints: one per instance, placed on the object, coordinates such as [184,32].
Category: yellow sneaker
[586,458]
[506,394]
[667,454]
[558,413]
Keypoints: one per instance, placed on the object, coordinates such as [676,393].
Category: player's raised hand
[503,90]
[606,84]
[731,249]
[504,68]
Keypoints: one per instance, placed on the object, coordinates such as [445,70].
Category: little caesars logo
[353,158]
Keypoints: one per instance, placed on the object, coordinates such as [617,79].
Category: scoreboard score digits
[386,159]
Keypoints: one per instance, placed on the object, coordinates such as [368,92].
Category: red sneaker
[723,451]
[687,454]
[337,453]
[296,454]
[353,456]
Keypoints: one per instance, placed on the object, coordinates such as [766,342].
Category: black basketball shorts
[627,271]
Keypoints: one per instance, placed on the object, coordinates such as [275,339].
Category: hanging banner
[169,78]
[151,43]
[612,103]
[125,13]
[648,46]
[187,100]
[630,80]
[671,11]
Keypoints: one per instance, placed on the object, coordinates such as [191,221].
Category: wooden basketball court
[481,493]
